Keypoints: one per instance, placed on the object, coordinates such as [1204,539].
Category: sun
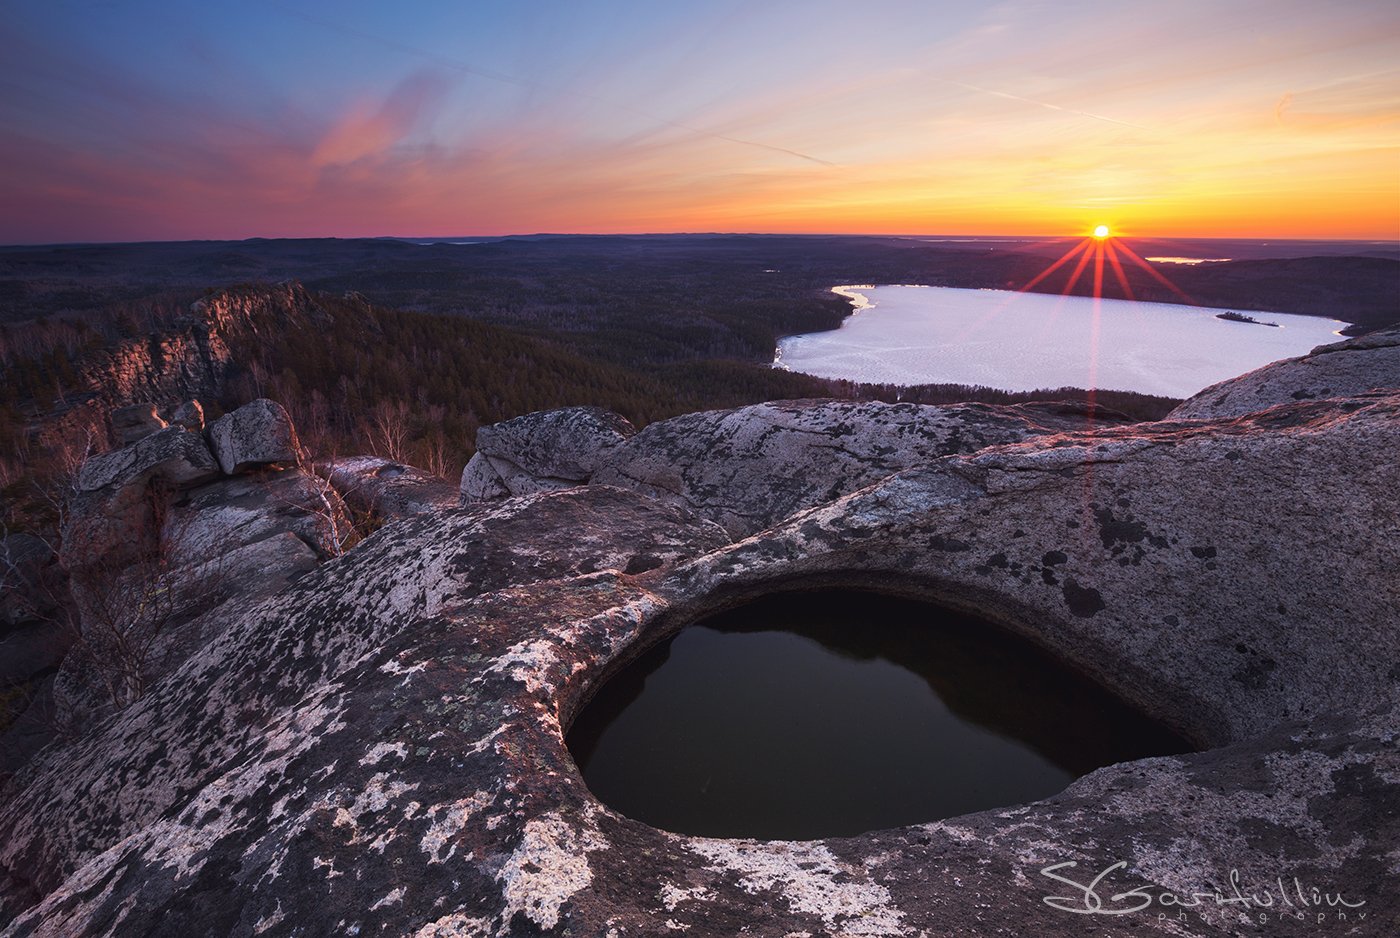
[1101,232]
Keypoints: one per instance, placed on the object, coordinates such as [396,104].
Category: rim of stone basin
[999,612]
[1035,725]
[657,621]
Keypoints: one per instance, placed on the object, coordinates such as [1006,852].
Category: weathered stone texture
[256,434]
[389,489]
[378,748]
[541,452]
[751,467]
[1343,368]
[173,455]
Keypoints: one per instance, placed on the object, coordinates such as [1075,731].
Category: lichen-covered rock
[378,749]
[256,434]
[112,516]
[387,488]
[232,693]
[213,519]
[172,455]
[750,467]
[541,452]
[1337,370]
[135,422]
[189,415]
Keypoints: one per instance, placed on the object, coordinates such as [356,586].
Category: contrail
[458,66]
[1044,104]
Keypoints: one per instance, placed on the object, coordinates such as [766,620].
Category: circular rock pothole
[831,713]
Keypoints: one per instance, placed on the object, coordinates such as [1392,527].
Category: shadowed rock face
[387,488]
[135,422]
[379,747]
[1336,370]
[256,434]
[751,467]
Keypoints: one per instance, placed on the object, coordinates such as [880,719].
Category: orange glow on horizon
[1001,120]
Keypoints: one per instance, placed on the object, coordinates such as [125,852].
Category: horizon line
[692,234]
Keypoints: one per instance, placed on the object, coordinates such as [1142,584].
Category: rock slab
[256,434]
[1337,370]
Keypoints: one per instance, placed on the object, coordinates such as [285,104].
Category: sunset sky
[160,120]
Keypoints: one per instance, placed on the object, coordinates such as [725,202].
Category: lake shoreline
[912,335]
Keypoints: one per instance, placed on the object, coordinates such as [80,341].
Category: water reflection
[831,713]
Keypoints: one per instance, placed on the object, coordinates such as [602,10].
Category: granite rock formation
[378,748]
[185,357]
[388,489]
[541,452]
[750,467]
[159,547]
[1342,368]
[257,434]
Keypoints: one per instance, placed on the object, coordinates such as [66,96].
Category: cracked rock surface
[388,489]
[1342,368]
[378,749]
[541,452]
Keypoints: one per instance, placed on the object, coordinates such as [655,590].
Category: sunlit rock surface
[1336,370]
[378,749]
[541,452]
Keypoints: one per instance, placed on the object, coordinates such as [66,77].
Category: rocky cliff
[187,358]
[162,540]
[376,748]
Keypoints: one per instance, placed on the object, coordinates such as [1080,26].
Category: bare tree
[435,459]
[388,429]
[346,526]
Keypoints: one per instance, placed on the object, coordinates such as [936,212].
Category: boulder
[387,488]
[378,749]
[750,467]
[189,415]
[135,422]
[256,434]
[1337,370]
[221,516]
[541,452]
[172,455]
[111,518]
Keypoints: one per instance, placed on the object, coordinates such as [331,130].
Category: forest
[439,339]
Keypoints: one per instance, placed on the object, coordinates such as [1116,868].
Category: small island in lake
[1232,316]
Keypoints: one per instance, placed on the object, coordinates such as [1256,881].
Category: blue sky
[144,119]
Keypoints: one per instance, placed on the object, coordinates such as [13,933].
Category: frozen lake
[1024,341]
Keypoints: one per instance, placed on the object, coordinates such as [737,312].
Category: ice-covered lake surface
[1023,341]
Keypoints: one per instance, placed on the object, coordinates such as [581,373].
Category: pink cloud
[371,129]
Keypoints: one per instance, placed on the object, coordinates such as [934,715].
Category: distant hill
[672,298]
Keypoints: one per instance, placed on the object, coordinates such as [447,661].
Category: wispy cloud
[1043,104]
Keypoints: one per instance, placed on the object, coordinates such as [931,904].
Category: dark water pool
[822,714]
